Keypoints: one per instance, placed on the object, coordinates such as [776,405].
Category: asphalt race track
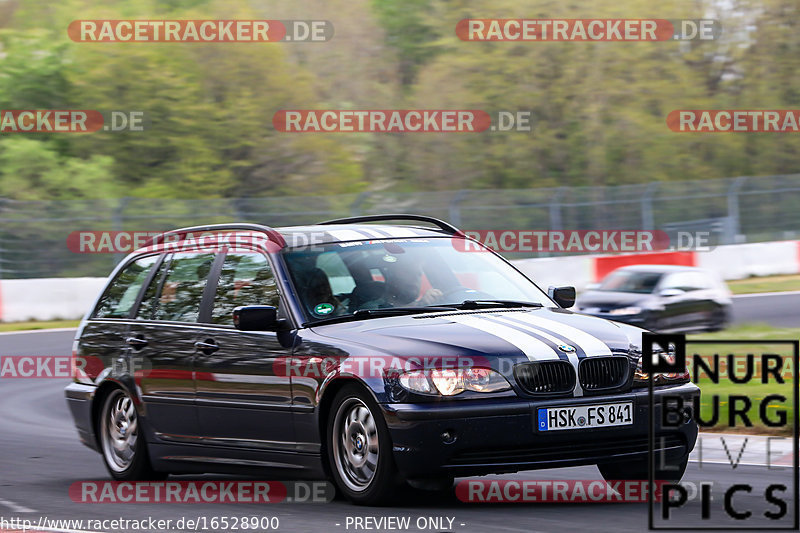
[779,309]
[40,457]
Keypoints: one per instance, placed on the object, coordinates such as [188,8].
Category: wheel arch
[103,390]
[328,392]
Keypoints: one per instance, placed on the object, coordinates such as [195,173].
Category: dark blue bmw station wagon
[371,353]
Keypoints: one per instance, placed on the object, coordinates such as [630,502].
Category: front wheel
[652,322]
[719,319]
[638,470]
[360,449]
[121,441]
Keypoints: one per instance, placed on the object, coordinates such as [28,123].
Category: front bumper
[501,435]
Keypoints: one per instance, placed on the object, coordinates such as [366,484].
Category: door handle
[137,343]
[207,346]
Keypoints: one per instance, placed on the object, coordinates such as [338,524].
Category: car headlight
[641,378]
[632,310]
[452,381]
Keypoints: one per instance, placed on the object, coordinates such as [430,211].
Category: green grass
[755,390]
[765,284]
[753,331]
[24,326]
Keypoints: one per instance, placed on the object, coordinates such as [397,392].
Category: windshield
[631,281]
[342,278]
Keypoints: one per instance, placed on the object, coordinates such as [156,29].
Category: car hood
[530,334]
[612,299]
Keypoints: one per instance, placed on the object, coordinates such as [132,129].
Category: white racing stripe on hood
[590,344]
[533,348]
[573,357]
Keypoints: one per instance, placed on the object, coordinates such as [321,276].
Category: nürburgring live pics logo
[724,377]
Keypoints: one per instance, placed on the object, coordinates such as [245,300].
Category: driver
[403,287]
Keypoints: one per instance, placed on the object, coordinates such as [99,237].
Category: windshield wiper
[363,314]
[403,310]
[481,304]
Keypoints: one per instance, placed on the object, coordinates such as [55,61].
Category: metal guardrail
[33,235]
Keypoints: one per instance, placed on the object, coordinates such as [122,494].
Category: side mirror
[563,296]
[668,293]
[256,318]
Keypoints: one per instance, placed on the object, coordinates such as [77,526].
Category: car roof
[331,233]
[274,239]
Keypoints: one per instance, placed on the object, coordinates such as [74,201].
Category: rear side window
[119,297]
[151,295]
[182,288]
[245,279]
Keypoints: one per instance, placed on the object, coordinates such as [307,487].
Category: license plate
[586,416]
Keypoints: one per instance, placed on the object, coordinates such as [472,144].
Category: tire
[122,444]
[651,322]
[637,470]
[719,320]
[360,448]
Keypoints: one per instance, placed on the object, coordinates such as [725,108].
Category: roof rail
[441,224]
[273,234]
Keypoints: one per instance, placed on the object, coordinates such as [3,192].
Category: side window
[245,279]
[674,281]
[150,299]
[119,297]
[700,281]
[686,281]
[182,289]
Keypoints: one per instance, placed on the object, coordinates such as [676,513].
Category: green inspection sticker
[323,309]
